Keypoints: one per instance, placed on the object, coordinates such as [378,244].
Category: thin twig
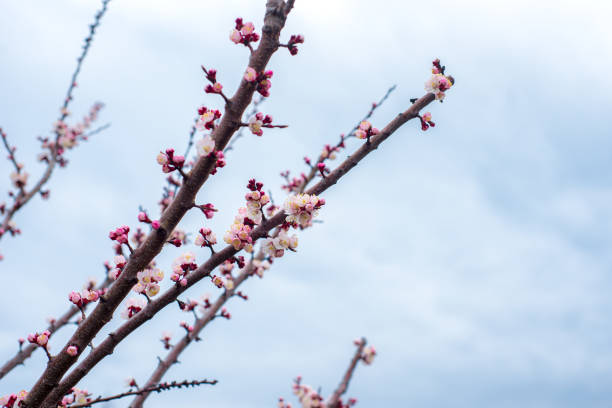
[155,388]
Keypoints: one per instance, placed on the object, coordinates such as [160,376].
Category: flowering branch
[211,310]
[55,148]
[154,388]
[56,391]
[334,400]
[47,385]
[329,151]
[309,398]
[25,352]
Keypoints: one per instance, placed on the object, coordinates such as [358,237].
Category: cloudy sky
[474,256]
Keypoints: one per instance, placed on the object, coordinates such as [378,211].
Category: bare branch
[154,388]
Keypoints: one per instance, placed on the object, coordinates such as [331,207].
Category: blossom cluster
[293,40]
[169,161]
[178,238]
[120,263]
[328,152]
[239,234]
[76,397]
[148,281]
[307,396]
[19,178]
[214,86]
[208,210]
[262,79]
[439,83]
[133,306]
[13,400]
[181,267]
[220,161]
[207,118]
[244,33]
[301,209]
[256,199]
[40,339]
[426,121]
[275,247]
[120,234]
[85,297]
[260,266]
[205,238]
[365,130]
[69,136]
[294,184]
[257,122]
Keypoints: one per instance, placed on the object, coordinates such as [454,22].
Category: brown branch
[25,353]
[106,347]
[154,388]
[46,388]
[314,170]
[334,400]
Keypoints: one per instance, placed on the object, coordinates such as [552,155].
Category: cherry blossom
[207,118]
[244,33]
[169,161]
[275,247]
[148,281]
[439,83]
[205,238]
[365,130]
[181,267]
[133,306]
[301,209]
[205,146]
[368,355]
[72,350]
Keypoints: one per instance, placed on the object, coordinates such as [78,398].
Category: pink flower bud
[72,350]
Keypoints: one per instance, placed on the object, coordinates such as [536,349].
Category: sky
[473,256]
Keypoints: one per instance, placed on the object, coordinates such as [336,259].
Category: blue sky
[473,256]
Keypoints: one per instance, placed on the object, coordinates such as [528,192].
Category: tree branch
[47,385]
[154,388]
[334,400]
[106,347]
[24,197]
